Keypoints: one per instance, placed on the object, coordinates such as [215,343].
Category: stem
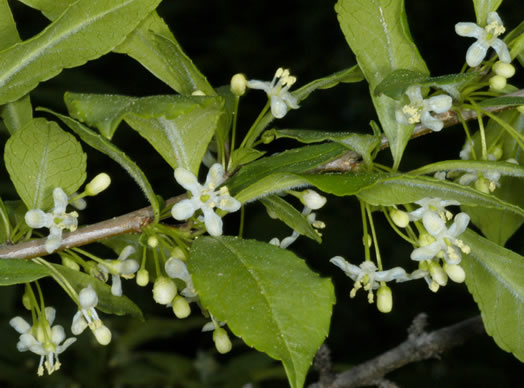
[375,242]
[253,132]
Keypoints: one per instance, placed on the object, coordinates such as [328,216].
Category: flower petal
[228,203]
[471,30]
[440,104]
[425,253]
[188,181]
[261,85]
[431,122]
[215,176]
[213,222]
[502,50]
[278,107]
[183,209]
[60,199]
[20,325]
[476,53]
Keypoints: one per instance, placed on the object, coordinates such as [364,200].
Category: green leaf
[396,82]
[40,157]
[5,223]
[16,271]
[494,278]
[107,302]
[502,101]
[296,160]
[182,134]
[342,184]
[154,46]
[273,183]
[378,34]
[51,9]
[349,75]
[267,296]
[290,216]
[85,31]
[481,166]
[406,189]
[107,148]
[361,143]
[8,32]
[242,156]
[483,8]
[17,113]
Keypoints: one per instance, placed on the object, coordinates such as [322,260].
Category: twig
[352,161]
[418,346]
[132,222]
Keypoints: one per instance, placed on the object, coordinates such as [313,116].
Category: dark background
[255,38]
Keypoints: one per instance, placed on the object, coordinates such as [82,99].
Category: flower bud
[384,299]
[483,185]
[455,272]
[497,152]
[198,93]
[98,184]
[368,242]
[180,307]
[437,273]
[506,70]
[222,341]
[70,263]
[400,218]
[102,335]
[497,82]
[178,253]
[152,241]
[238,84]
[164,290]
[26,301]
[142,277]
[312,199]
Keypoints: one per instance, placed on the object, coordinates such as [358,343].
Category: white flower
[87,316]
[43,340]
[367,276]
[120,267]
[204,197]
[277,91]
[312,199]
[433,205]
[57,220]
[418,110]
[446,242]
[486,37]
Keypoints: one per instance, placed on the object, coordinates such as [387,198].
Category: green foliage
[267,296]
[15,271]
[71,40]
[35,157]
[104,146]
[387,46]
[494,278]
[283,210]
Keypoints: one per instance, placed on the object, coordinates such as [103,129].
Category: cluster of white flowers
[439,242]
[205,197]
[277,92]
[419,109]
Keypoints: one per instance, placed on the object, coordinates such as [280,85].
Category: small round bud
[180,307]
[455,272]
[198,93]
[70,263]
[26,301]
[267,137]
[437,273]
[102,335]
[152,241]
[497,82]
[98,184]
[312,199]
[164,290]
[222,341]
[142,277]
[178,253]
[368,242]
[238,84]
[497,152]
[506,70]
[400,218]
[88,297]
[384,299]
